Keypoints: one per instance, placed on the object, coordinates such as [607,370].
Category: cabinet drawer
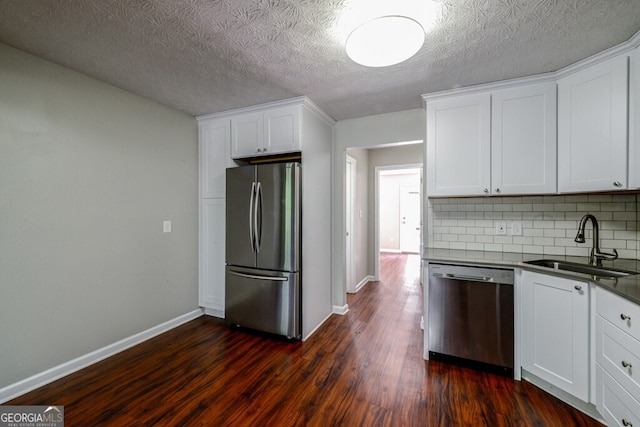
[616,405]
[621,312]
[619,354]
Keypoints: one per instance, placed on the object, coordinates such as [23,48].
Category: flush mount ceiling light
[385,41]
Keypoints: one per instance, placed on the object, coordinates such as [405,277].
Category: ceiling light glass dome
[385,41]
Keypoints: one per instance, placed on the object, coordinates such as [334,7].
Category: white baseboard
[21,387]
[213,312]
[317,327]
[341,310]
[364,281]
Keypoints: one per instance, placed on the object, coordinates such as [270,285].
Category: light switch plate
[166,226]
[516,229]
[501,227]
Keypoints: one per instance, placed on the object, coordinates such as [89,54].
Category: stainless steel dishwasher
[471,317]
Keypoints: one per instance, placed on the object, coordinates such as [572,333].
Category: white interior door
[350,195]
[410,218]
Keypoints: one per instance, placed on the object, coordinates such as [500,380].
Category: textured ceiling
[206,56]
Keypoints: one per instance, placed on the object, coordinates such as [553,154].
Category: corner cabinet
[264,133]
[499,142]
[592,128]
[555,332]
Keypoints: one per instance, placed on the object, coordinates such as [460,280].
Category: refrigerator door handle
[257,277]
[251,203]
[257,217]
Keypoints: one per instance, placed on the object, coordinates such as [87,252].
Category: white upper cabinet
[634,120]
[494,143]
[268,132]
[247,138]
[214,139]
[282,130]
[592,128]
[523,140]
[459,146]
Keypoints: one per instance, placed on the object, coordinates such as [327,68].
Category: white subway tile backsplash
[543,241]
[532,249]
[549,223]
[484,239]
[601,198]
[552,232]
[522,240]
[554,250]
[624,216]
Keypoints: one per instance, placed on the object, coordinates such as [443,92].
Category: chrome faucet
[596,256]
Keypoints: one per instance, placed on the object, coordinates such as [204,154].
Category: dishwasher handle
[464,277]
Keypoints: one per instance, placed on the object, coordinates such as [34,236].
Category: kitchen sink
[581,268]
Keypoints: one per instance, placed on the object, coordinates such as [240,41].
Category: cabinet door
[555,331]
[282,130]
[212,249]
[523,140]
[247,135]
[634,120]
[592,128]
[214,139]
[459,146]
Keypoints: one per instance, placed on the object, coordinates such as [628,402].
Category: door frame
[350,191]
[378,171]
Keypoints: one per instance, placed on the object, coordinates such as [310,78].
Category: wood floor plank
[361,369]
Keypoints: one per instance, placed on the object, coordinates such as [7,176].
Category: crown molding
[621,49]
[493,86]
[298,100]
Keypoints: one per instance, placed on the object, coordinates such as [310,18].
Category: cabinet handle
[626,364]
[486,191]
[625,316]
[626,423]
[577,287]
[617,184]
[497,190]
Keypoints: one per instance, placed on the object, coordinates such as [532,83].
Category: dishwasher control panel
[466,272]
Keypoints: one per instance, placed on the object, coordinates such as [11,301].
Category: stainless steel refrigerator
[263,245]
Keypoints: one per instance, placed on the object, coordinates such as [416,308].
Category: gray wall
[364,132]
[88,172]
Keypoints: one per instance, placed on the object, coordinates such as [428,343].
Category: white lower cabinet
[618,359]
[615,404]
[212,251]
[555,331]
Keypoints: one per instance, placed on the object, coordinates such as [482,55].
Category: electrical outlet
[166,226]
[501,227]
[516,229]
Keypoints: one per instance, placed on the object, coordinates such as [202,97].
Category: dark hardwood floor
[361,369]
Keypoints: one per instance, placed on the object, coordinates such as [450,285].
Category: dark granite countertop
[627,287]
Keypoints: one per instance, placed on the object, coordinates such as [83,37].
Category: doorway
[398,210]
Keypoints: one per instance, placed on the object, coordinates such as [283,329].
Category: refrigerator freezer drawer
[263,300]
